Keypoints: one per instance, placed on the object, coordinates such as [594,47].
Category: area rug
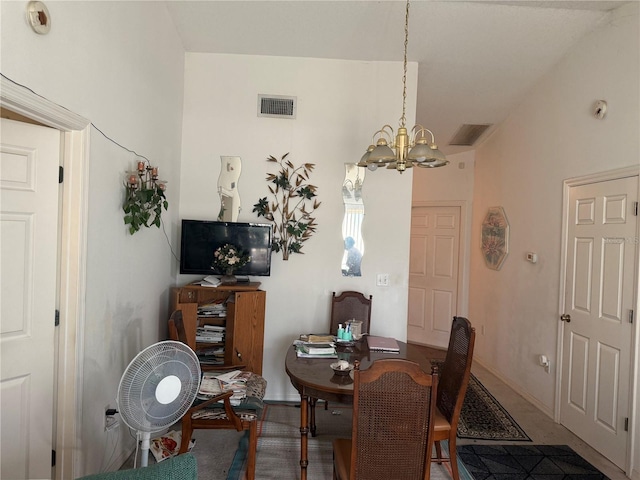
[526,462]
[484,418]
[278,455]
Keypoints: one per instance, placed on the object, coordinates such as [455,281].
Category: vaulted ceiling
[477,59]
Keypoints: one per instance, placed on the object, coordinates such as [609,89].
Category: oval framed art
[495,238]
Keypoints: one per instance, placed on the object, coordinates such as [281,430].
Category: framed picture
[495,238]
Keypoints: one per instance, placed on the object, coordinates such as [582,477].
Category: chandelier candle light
[414,147]
[145,198]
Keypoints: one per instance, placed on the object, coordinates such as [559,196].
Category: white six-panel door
[597,339]
[29,159]
[433,273]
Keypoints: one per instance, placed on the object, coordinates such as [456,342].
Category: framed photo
[495,238]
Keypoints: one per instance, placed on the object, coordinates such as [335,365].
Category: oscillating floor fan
[157,388]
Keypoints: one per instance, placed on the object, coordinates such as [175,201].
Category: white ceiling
[477,59]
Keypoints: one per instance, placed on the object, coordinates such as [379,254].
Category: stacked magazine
[210,334]
[213,384]
[212,310]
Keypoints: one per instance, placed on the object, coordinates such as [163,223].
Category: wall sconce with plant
[292,205]
[145,198]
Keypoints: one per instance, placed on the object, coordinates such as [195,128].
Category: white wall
[550,137]
[119,64]
[340,105]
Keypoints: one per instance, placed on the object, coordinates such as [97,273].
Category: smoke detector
[38,17]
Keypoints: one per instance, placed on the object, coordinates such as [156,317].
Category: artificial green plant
[293,202]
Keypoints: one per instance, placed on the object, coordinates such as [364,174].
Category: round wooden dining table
[314,379]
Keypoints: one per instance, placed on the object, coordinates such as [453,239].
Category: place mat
[484,418]
[526,462]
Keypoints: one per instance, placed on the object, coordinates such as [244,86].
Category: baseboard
[535,402]
[635,474]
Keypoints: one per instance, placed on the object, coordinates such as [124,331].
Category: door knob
[565,317]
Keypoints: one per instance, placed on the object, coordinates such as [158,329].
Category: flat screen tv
[200,238]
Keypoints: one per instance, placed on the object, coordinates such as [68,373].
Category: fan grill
[137,401]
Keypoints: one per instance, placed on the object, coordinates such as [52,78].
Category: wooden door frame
[568,184]
[73,217]
[464,249]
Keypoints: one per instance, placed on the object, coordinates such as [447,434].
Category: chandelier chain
[403,119]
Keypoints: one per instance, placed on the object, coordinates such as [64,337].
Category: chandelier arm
[418,131]
[387,132]
[388,128]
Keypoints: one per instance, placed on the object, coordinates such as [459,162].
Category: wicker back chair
[454,378]
[348,305]
[393,418]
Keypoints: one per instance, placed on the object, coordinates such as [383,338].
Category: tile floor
[540,428]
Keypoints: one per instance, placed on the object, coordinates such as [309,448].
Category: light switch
[382,280]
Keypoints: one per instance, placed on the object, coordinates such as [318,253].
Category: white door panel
[599,296]
[29,159]
[433,274]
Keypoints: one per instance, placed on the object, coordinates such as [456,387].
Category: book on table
[302,354]
[318,348]
[314,349]
[315,338]
[308,351]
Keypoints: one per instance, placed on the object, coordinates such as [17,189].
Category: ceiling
[477,59]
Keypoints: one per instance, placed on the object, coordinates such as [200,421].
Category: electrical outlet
[111,423]
[110,420]
[543,360]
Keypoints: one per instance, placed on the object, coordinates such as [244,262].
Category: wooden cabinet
[244,320]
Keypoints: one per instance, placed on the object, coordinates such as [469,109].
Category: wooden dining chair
[346,306]
[454,378]
[349,305]
[393,420]
[217,412]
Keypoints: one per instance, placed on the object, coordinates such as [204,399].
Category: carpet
[484,418]
[278,453]
[526,462]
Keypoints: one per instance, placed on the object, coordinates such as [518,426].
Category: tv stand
[244,321]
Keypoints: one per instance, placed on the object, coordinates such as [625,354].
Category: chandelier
[408,147]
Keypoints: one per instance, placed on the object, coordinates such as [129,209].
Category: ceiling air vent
[467,134]
[276,106]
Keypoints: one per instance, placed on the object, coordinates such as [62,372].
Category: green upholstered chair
[181,467]
[217,412]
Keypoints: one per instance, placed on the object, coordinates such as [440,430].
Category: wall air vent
[276,106]
[468,134]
